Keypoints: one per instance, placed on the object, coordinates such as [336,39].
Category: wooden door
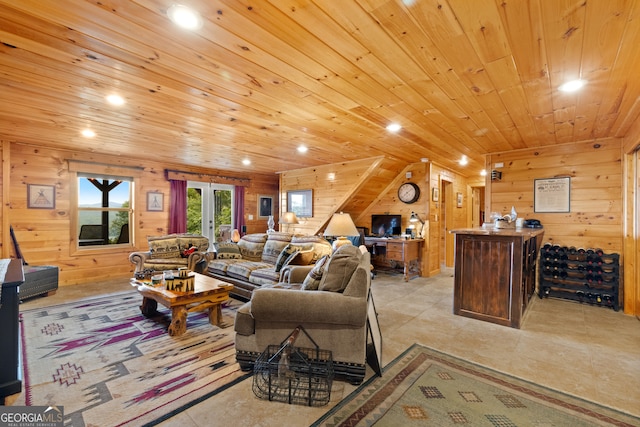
[448,205]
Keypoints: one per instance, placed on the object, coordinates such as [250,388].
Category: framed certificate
[552,195]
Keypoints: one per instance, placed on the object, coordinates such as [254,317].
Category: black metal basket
[289,374]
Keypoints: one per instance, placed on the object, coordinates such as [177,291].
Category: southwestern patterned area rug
[424,387]
[108,365]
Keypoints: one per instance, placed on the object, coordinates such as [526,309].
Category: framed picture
[459,199]
[265,206]
[552,195]
[435,194]
[41,196]
[155,201]
[300,202]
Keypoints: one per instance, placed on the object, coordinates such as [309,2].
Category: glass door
[210,210]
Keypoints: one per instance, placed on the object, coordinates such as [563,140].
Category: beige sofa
[168,253]
[334,316]
[263,259]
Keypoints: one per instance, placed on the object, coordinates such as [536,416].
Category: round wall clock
[409,192]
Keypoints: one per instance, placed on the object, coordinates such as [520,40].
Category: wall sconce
[496,175]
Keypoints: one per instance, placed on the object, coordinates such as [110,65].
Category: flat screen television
[386,225]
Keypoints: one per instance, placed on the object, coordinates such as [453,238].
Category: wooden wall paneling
[435,231]
[332,187]
[386,200]
[631,272]
[632,139]
[361,188]
[45,234]
[596,182]
[596,217]
[457,218]
[260,186]
[5,173]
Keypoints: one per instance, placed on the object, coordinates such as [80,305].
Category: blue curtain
[178,206]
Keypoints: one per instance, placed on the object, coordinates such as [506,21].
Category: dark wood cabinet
[495,273]
[10,375]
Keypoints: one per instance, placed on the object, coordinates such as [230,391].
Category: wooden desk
[406,252]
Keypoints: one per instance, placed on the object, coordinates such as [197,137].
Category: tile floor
[590,352]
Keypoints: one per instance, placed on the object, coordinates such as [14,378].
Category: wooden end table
[208,294]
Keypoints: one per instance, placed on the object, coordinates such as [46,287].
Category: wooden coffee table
[208,294]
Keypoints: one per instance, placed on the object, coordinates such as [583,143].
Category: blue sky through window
[89,195]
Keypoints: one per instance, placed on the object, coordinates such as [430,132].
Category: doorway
[477,206]
[447,239]
[210,210]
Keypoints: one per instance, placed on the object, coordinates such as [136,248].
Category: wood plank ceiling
[260,78]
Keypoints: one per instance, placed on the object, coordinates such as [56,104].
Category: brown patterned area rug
[108,365]
[425,387]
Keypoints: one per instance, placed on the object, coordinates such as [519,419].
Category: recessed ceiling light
[463,161]
[394,127]
[246,162]
[115,100]
[88,133]
[572,86]
[184,17]
[302,149]
[483,172]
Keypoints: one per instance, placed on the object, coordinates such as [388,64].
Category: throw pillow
[340,268]
[303,257]
[312,280]
[227,251]
[285,255]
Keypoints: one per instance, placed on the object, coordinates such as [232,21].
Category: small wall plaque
[41,196]
[155,201]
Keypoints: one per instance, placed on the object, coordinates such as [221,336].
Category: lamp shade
[340,226]
[288,218]
[235,235]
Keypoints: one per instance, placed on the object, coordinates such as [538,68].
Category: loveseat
[263,259]
[330,304]
[173,251]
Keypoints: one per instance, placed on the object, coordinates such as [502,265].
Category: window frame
[81,170]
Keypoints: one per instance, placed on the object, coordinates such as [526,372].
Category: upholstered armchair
[174,251]
[330,304]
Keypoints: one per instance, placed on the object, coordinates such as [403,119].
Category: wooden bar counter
[495,273]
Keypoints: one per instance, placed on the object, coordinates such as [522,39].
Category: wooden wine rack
[583,275]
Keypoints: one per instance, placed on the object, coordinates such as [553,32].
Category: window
[104,210]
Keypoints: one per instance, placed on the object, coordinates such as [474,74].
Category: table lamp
[340,226]
[235,235]
[288,218]
[416,218]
